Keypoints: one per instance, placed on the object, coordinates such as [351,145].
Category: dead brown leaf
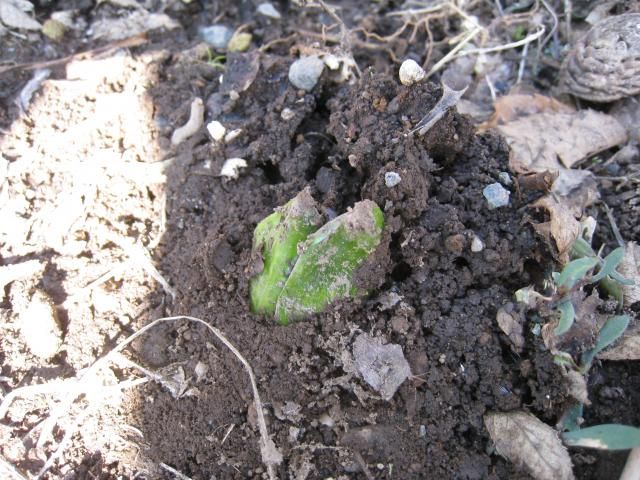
[626,348]
[562,229]
[577,387]
[550,140]
[512,107]
[630,268]
[511,324]
[524,440]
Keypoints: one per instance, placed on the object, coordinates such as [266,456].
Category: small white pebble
[232,135]
[287,114]
[196,119]
[497,196]
[326,420]
[391,179]
[423,431]
[477,245]
[232,166]
[442,358]
[268,10]
[411,72]
[505,178]
[305,72]
[332,62]
[216,130]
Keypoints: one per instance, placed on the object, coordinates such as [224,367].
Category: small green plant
[307,267]
[217,61]
[587,267]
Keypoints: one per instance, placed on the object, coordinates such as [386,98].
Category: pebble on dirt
[268,10]
[232,166]
[39,326]
[217,36]
[391,179]
[477,245]
[216,130]
[383,367]
[497,196]
[411,72]
[305,72]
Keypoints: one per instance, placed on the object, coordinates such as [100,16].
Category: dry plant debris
[604,65]
[525,440]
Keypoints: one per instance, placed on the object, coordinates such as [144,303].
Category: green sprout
[586,267]
[276,239]
[306,268]
[216,61]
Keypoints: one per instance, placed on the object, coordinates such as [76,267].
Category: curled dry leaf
[630,268]
[511,324]
[562,229]
[526,441]
[551,140]
[577,386]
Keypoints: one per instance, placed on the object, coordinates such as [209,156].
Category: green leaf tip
[328,260]
[276,240]
[307,267]
[605,437]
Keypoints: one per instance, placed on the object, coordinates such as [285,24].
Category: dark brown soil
[340,141]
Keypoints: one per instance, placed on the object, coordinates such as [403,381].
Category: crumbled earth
[428,291]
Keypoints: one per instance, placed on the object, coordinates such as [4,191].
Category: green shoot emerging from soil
[586,268]
[306,268]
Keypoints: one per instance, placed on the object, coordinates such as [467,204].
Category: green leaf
[564,359]
[567,315]
[576,270]
[328,260]
[620,279]
[609,333]
[612,288]
[606,437]
[609,264]
[582,248]
[570,419]
[276,240]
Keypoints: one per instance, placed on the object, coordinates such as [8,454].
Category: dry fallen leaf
[550,140]
[513,107]
[511,324]
[577,387]
[15,14]
[136,22]
[524,440]
[562,229]
[626,348]
[630,268]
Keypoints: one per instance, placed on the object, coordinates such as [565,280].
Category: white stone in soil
[305,72]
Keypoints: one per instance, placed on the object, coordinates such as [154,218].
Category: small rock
[217,36]
[216,130]
[383,367]
[326,420]
[391,179]
[305,72]
[411,72]
[232,135]
[505,178]
[240,42]
[232,166]
[39,326]
[54,30]
[477,245]
[268,10]
[497,196]
[287,114]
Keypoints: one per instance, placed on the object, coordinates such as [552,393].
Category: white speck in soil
[391,179]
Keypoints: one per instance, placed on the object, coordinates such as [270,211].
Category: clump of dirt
[446,264]
[447,295]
